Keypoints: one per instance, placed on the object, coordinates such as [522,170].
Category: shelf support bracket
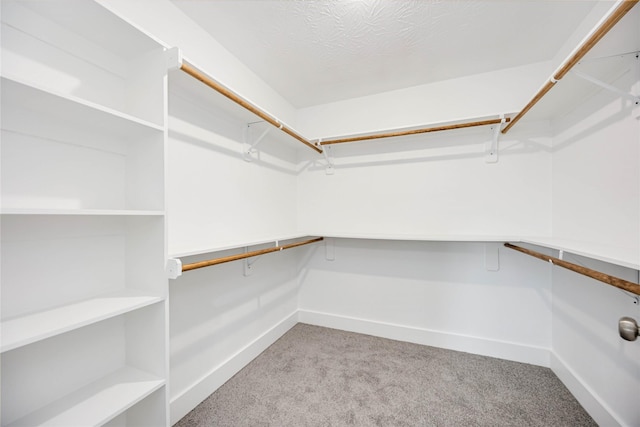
[492,256]
[633,98]
[326,151]
[247,265]
[174,268]
[249,148]
[329,249]
[491,147]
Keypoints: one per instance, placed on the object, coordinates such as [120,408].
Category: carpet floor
[314,376]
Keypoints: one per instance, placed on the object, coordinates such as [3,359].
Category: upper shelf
[100,58]
[77,112]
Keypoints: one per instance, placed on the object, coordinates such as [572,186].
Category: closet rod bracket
[249,147]
[491,147]
[326,151]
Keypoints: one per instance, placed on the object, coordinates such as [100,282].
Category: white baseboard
[589,400]
[182,404]
[494,348]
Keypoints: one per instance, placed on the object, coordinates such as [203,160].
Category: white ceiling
[318,51]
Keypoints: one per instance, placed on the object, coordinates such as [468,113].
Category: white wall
[221,319]
[433,293]
[216,198]
[432,185]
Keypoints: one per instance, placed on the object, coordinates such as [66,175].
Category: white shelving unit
[84,288]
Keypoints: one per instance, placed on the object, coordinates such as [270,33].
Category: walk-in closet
[189,185]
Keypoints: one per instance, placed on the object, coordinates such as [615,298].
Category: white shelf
[625,257]
[236,245]
[24,330]
[96,403]
[74,111]
[86,212]
[426,238]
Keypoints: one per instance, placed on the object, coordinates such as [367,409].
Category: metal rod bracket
[491,147]
[248,146]
[326,151]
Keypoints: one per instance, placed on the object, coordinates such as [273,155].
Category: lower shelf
[98,402]
[28,329]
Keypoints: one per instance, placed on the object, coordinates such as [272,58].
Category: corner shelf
[30,328]
[96,403]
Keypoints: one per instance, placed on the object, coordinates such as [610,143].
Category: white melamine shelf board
[98,402]
[80,212]
[75,111]
[623,257]
[24,330]
[426,238]
[238,245]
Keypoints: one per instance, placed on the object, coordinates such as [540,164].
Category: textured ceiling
[318,51]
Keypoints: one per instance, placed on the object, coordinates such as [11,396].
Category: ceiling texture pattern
[319,51]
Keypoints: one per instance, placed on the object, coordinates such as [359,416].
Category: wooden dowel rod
[606,278]
[586,46]
[216,261]
[193,72]
[413,131]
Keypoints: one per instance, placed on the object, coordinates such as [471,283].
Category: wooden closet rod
[414,131]
[193,72]
[610,280]
[622,9]
[216,261]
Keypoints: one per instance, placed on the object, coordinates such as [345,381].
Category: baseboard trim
[494,348]
[589,400]
[183,403]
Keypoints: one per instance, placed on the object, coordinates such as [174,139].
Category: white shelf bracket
[492,256]
[326,152]
[626,95]
[174,58]
[174,268]
[247,265]
[249,147]
[329,249]
[491,147]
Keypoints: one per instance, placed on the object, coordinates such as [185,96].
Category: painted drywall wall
[431,185]
[220,318]
[444,294]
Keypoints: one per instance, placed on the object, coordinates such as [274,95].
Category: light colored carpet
[315,376]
